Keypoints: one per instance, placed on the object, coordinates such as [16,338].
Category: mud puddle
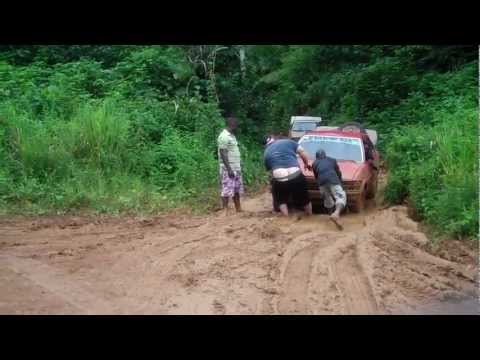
[466,306]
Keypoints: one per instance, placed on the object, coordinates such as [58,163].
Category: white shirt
[280,174]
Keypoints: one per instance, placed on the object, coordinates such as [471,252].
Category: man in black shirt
[329,180]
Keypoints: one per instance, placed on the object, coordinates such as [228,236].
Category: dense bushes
[436,168]
[433,161]
[104,157]
[116,128]
[108,128]
[430,145]
[73,137]
[382,86]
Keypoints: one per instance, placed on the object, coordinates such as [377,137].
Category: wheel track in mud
[252,263]
[354,286]
[336,259]
[56,283]
[295,284]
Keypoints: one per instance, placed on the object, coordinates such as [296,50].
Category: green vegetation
[132,128]
[436,167]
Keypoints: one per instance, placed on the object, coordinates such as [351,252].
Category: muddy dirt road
[251,263]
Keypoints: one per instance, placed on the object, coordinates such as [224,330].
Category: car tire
[359,204]
[372,190]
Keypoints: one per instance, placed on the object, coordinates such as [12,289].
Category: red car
[357,157]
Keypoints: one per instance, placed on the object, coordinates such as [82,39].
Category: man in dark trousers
[329,180]
[288,180]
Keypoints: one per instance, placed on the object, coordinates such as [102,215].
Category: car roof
[349,134]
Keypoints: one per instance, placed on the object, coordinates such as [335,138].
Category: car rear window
[304,126]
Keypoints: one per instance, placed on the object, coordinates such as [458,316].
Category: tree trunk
[243,66]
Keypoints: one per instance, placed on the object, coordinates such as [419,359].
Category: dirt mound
[250,263]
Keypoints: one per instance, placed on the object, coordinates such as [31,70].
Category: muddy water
[463,307]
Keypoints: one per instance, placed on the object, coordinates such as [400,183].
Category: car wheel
[372,188]
[358,205]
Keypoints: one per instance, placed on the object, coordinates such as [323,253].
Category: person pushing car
[329,181]
[288,180]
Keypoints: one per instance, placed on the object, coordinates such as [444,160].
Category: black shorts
[294,190]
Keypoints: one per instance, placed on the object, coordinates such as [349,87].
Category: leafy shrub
[120,128]
[436,167]
[116,155]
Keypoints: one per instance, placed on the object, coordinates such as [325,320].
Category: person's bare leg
[338,194]
[225,205]
[284,209]
[236,200]
[308,209]
[335,217]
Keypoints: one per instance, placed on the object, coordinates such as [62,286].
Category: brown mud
[249,263]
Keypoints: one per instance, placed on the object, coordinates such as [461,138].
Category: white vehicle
[299,125]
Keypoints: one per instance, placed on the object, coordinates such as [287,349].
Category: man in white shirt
[230,165]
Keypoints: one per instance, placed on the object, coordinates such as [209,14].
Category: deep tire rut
[296,281]
[249,263]
[353,285]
